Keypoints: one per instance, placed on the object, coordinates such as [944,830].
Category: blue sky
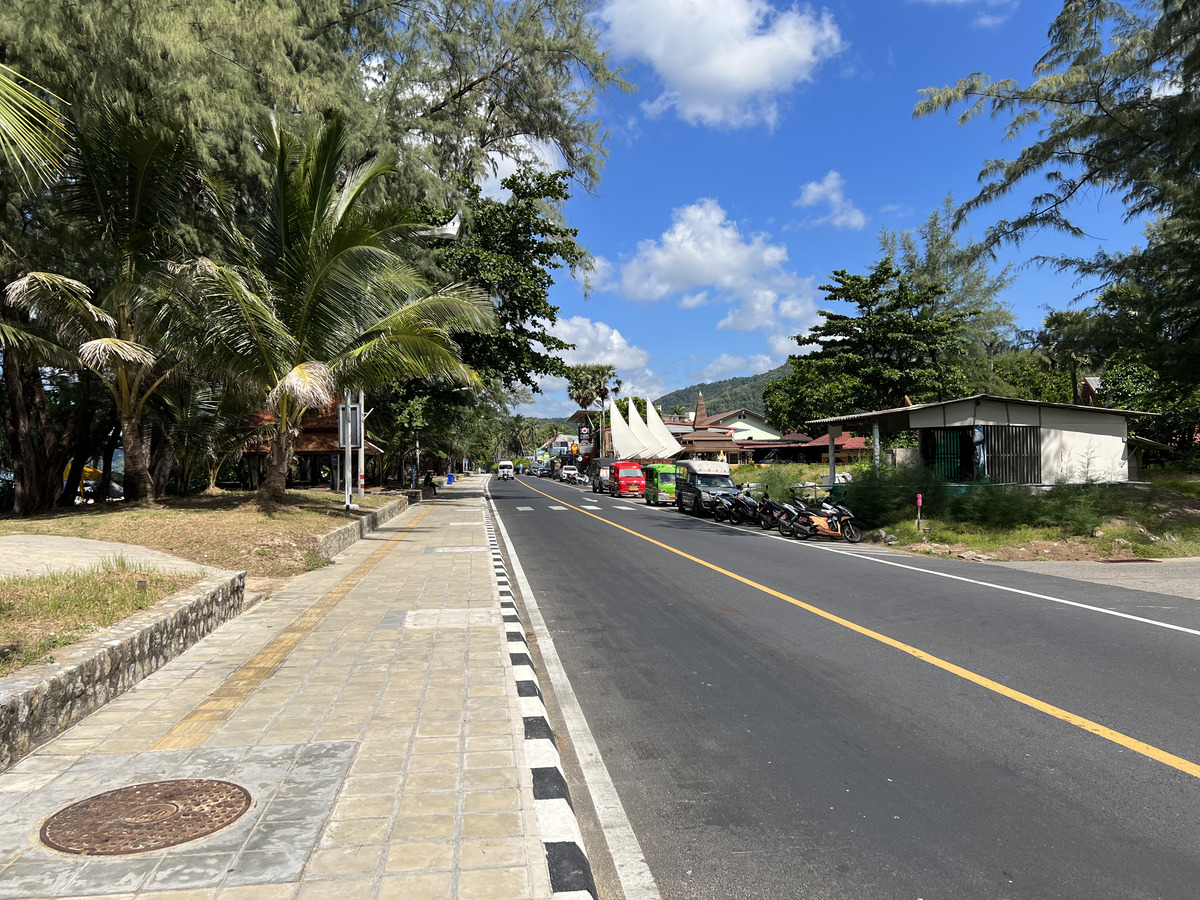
[767,145]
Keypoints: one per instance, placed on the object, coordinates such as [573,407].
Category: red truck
[626,479]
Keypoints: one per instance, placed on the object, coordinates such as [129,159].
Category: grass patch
[222,528]
[41,613]
[1159,521]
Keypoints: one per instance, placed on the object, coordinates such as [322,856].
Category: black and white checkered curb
[570,870]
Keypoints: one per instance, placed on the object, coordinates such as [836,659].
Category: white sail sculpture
[625,445]
[667,445]
[642,433]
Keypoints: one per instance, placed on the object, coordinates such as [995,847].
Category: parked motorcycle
[724,507]
[783,516]
[829,518]
[745,508]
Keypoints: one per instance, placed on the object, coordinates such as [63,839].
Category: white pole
[875,444]
[346,450]
[362,446]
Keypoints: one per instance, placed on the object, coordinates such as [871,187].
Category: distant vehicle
[598,474]
[505,469]
[702,479]
[567,473]
[626,480]
[660,482]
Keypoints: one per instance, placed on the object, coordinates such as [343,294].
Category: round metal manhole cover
[145,817]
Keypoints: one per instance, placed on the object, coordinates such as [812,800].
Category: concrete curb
[40,702]
[331,544]
[570,869]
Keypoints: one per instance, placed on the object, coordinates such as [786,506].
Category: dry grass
[221,528]
[40,613]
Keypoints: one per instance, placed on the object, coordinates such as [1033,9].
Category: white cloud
[1002,10]
[727,365]
[705,258]
[722,64]
[596,342]
[831,190]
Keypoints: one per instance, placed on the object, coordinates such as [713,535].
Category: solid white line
[623,847]
[842,551]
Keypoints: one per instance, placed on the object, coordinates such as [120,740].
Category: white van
[697,484]
[505,469]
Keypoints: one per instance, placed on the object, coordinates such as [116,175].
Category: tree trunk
[138,486]
[279,460]
[38,455]
[80,436]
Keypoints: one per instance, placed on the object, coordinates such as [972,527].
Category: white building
[1008,441]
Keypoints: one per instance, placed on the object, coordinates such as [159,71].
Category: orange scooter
[830,519]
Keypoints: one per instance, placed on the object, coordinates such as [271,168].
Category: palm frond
[32,135]
[106,351]
[309,384]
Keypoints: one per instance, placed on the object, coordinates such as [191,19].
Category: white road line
[636,880]
[869,557]
[525,509]
[558,507]
[585,506]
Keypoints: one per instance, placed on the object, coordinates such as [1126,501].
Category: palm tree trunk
[138,486]
[274,487]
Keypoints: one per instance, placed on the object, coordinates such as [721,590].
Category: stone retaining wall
[330,545]
[40,702]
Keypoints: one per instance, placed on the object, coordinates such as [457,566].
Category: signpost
[349,436]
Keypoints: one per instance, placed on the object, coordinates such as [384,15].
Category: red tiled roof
[845,442]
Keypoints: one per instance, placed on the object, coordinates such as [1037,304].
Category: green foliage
[891,497]
[1116,108]
[1029,375]
[902,342]
[1128,383]
[933,257]
[320,299]
[622,404]
[509,249]
[744,392]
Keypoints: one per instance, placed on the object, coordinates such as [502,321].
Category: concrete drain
[145,817]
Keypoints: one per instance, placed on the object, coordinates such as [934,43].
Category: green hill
[719,396]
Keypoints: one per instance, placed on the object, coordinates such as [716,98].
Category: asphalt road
[797,719]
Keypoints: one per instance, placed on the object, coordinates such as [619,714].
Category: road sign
[350,424]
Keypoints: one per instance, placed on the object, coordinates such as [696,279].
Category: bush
[891,496]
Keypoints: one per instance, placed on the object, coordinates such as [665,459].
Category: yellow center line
[194,729]
[1124,740]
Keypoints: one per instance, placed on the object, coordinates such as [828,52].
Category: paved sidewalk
[370,711]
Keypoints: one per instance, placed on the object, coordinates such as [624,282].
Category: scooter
[830,519]
[724,508]
[784,516]
[745,508]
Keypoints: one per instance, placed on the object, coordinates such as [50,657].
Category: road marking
[1148,750]
[525,509]
[591,507]
[557,507]
[637,883]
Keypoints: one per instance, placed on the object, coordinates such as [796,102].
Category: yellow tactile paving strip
[199,725]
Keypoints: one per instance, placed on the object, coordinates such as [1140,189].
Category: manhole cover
[145,817]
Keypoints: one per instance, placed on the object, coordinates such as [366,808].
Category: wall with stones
[40,702]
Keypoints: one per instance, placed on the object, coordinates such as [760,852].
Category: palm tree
[319,300]
[124,186]
[593,383]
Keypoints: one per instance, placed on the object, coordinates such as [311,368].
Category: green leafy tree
[321,299]
[1071,339]
[1116,104]
[1128,383]
[510,250]
[899,345]
[31,132]
[933,256]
